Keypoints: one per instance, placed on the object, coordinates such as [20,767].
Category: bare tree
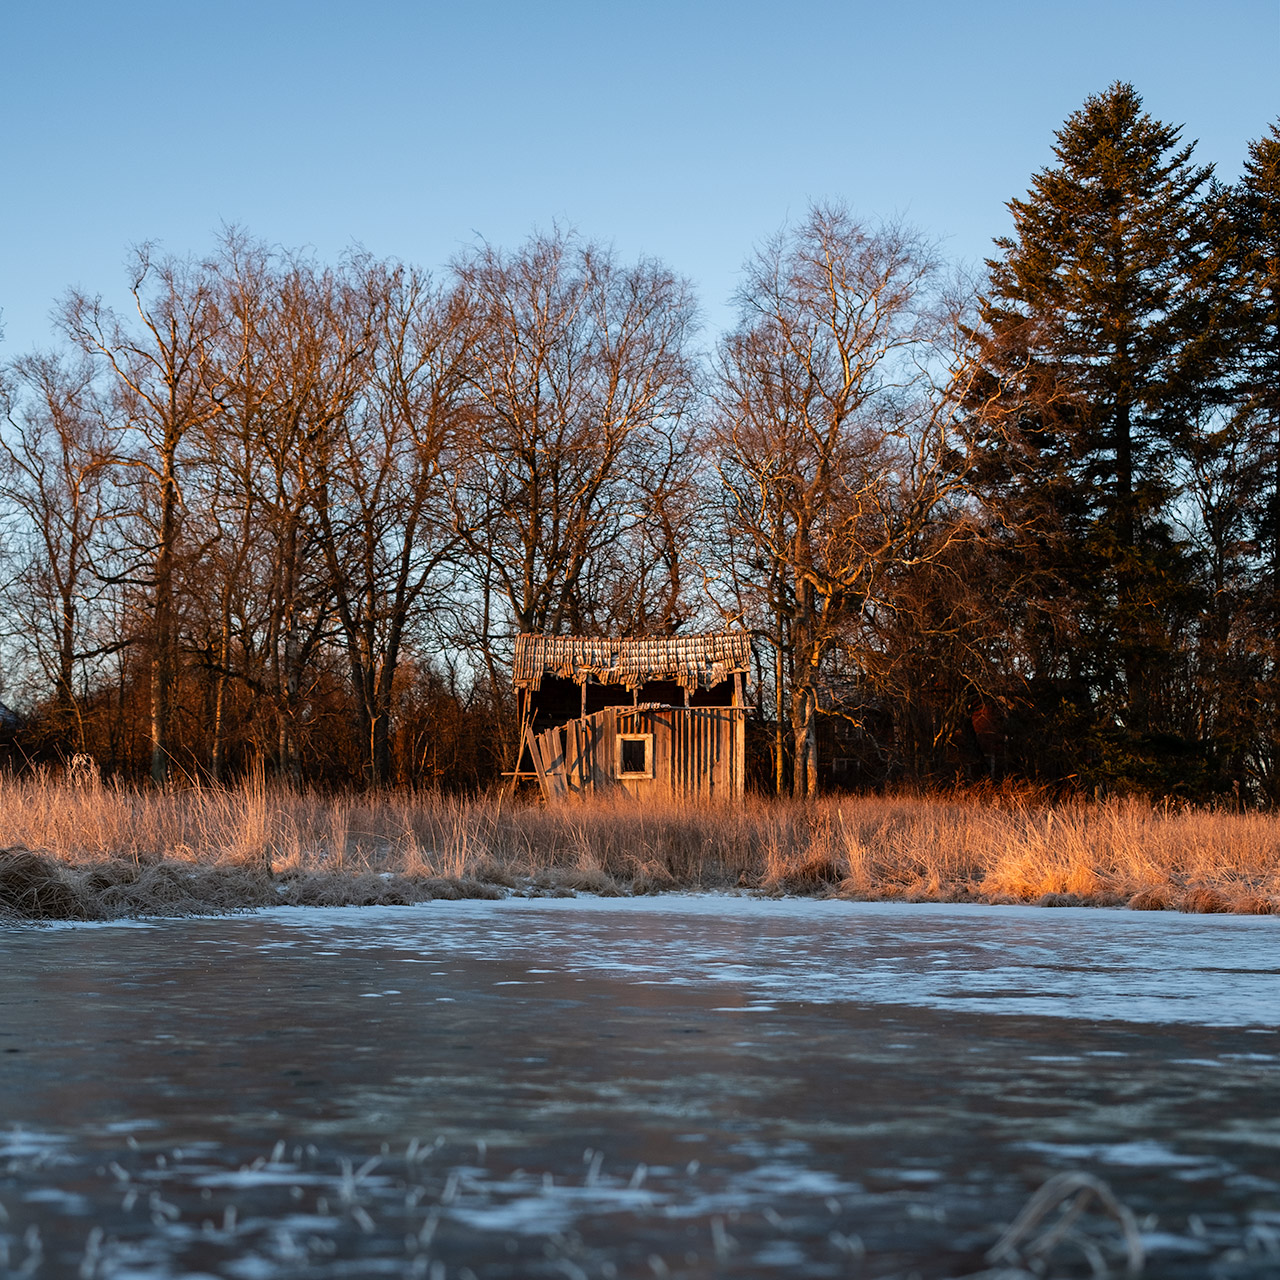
[227,610]
[833,444]
[383,482]
[55,483]
[579,391]
[165,386]
[297,364]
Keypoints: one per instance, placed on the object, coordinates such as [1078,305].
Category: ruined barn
[645,716]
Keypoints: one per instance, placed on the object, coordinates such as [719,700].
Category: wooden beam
[536,756]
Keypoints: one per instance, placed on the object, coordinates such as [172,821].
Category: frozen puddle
[681,1086]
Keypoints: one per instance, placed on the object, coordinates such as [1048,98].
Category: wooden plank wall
[699,753]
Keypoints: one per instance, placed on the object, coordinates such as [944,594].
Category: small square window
[635,755]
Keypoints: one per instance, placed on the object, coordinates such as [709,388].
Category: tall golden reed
[994,847]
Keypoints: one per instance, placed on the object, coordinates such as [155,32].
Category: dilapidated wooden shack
[645,716]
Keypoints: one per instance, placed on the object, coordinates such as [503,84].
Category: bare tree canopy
[834,446]
[276,515]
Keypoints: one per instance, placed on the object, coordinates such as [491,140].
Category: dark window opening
[633,755]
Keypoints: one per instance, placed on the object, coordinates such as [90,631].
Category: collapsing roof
[694,662]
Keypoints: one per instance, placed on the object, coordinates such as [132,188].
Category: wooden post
[740,754]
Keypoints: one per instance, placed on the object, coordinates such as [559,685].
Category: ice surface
[1151,967]
[555,1087]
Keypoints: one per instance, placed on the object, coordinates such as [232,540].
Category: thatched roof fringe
[692,661]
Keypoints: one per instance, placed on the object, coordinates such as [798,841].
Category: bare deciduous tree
[580,385]
[165,386]
[54,480]
[833,446]
[383,483]
[315,337]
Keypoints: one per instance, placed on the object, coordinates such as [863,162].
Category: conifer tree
[1258,230]
[1095,339]
[1254,675]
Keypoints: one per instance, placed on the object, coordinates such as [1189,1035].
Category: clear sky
[688,130]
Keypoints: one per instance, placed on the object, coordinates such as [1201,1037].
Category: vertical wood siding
[699,753]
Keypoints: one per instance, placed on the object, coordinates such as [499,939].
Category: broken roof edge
[692,661]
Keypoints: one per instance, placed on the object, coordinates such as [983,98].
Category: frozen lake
[672,1086]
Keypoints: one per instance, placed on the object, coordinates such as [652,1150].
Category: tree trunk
[162,636]
[380,750]
[779,734]
[804,730]
[1275,522]
[217,766]
[65,694]
[290,759]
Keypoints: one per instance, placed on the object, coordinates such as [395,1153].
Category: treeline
[286,517]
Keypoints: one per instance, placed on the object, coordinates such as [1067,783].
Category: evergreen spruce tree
[1256,210]
[1257,216]
[1097,338]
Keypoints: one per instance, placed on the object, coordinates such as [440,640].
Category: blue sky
[686,131]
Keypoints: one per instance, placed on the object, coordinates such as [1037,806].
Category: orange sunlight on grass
[108,851]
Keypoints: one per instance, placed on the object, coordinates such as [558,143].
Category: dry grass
[93,851]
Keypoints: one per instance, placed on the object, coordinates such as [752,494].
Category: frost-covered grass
[126,850]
